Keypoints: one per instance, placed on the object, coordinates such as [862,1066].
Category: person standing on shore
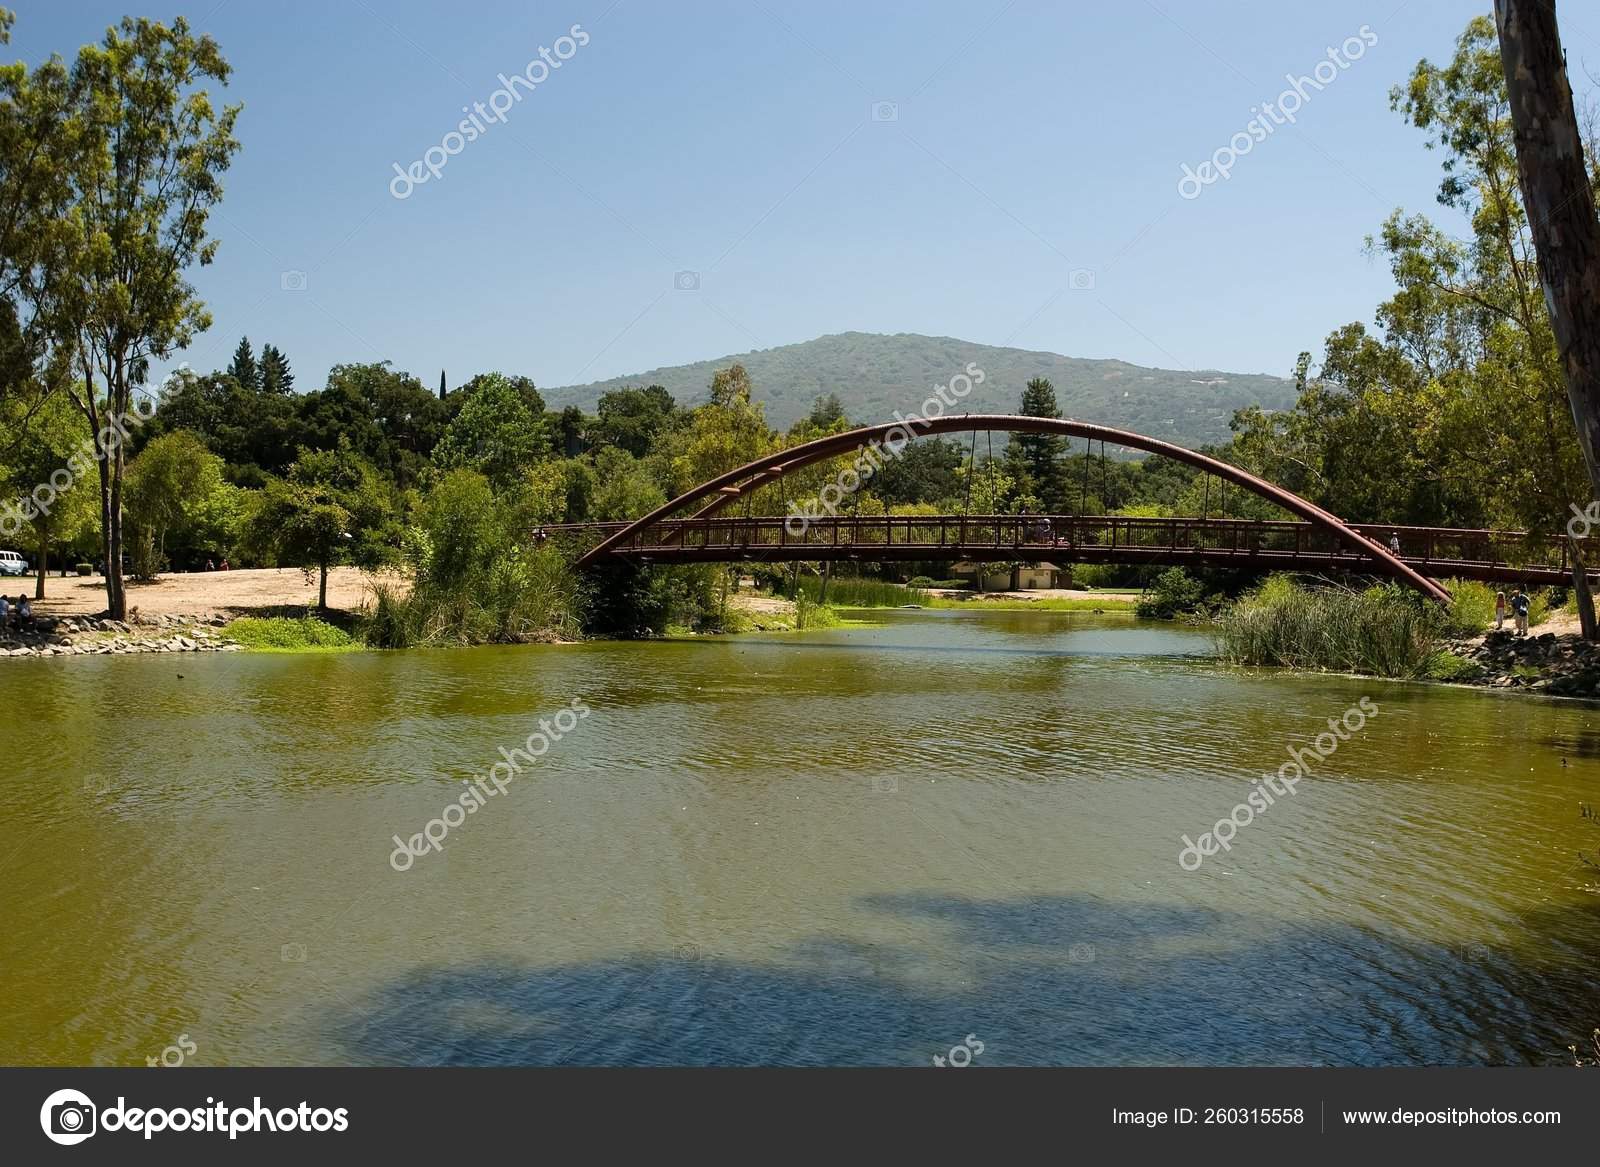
[1520,605]
[1499,611]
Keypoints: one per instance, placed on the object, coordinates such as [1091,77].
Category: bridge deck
[1438,552]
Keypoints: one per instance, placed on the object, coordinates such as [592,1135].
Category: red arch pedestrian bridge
[703,525]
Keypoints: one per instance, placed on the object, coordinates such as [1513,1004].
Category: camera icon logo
[1081,279]
[68,1117]
[686,281]
[292,281]
[885,784]
[1081,954]
[292,953]
[885,111]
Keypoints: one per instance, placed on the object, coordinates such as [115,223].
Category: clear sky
[920,166]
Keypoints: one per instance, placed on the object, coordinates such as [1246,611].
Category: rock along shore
[94,636]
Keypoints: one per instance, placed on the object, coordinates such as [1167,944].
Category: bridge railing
[1082,536]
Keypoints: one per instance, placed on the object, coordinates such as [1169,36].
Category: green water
[843,847]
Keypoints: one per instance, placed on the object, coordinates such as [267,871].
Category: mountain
[875,374]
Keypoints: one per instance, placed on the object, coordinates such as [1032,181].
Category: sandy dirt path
[201,594]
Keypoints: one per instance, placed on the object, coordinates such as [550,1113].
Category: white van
[12,564]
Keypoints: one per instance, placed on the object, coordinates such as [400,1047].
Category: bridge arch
[727,488]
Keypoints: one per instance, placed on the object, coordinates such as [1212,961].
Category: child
[1499,610]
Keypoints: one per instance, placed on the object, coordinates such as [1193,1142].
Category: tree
[927,470]
[154,148]
[255,434]
[826,412]
[495,433]
[1557,191]
[44,443]
[167,484]
[632,419]
[276,377]
[524,387]
[730,387]
[332,507]
[1034,460]
[388,416]
[728,432]
[623,488]
[244,368]
[40,150]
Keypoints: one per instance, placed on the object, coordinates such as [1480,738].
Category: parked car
[12,564]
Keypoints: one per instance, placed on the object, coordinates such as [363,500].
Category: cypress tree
[244,368]
[276,376]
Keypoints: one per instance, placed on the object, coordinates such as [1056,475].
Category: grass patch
[1445,665]
[1012,604]
[286,634]
[859,593]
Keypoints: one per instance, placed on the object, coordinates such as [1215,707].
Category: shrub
[1174,592]
[85,569]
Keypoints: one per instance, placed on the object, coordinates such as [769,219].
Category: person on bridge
[1520,605]
[1394,542]
[1499,611]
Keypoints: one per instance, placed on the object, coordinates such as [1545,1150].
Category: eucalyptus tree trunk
[1561,215]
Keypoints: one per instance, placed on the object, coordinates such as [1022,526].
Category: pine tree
[1035,460]
[276,376]
[244,368]
[443,392]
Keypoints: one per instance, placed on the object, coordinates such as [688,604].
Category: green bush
[475,578]
[1173,593]
[1472,609]
[85,569]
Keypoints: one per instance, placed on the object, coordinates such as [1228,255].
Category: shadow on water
[1041,981]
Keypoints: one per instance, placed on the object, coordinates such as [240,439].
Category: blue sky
[748,141]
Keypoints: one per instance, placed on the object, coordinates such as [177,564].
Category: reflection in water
[850,846]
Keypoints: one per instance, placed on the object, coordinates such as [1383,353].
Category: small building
[1029,577]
